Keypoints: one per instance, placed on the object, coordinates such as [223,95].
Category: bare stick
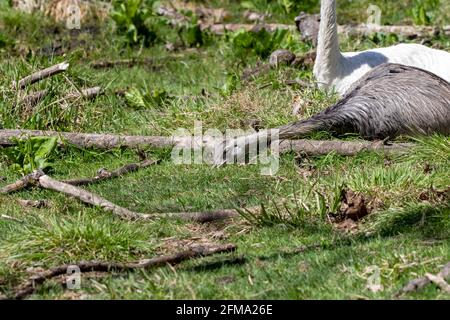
[42,74]
[86,140]
[439,281]
[201,217]
[123,62]
[95,200]
[31,179]
[88,93]
[29,286]
[420,283]
[404,31]
[90,198]
[33,98]
[347,148]
[34,203]
[40,179]
[6,217]
[220,29]
[299,82]
[358,30]
[110,141]
[104,174]
[25,182]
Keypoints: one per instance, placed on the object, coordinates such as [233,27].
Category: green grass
[405,237]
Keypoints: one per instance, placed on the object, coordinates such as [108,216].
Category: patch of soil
[354,207]
[435,196]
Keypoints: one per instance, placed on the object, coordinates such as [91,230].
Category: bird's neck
[329,58]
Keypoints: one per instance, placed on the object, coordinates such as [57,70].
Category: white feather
[338,71]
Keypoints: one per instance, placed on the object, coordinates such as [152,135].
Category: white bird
[338,71]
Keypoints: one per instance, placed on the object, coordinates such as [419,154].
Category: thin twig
[33,98]
[420,283]
[39,178]
[104,174]
[23,183]
[123,62]
[34,203]
[6,217]
[41,74]
[87,93]
[439,281]
[29,287]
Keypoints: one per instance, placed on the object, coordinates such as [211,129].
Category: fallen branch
[177,18]
[299,82]
[42,74]
[88,93]
[29,287]
[104,174]
[34,203]
[34,98]
[346,148]
[110,141]
[123,62]
[38,178]
[300,61]
[220,29]
[6,217]
[439,281]
[404,31]
[23,183]
[90,198]
[86,140]
[420,283]
[349,30]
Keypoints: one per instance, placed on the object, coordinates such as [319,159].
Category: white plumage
[337,70]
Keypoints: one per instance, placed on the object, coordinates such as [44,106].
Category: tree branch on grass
[33,98]
[439,281]
[92,199]
[41,74]
[6,217]
[349,30]
[420,283]
[23,183]
[30,286]
[346,148]
[102,64]
[110,141]
[39,178]
[87,93]
[104,174]
[34,203]
[87,140]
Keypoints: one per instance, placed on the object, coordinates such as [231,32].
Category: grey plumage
[390,100]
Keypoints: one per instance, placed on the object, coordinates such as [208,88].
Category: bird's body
[338,71]
[390,100]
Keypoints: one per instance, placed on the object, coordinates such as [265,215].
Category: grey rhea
[390,100]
